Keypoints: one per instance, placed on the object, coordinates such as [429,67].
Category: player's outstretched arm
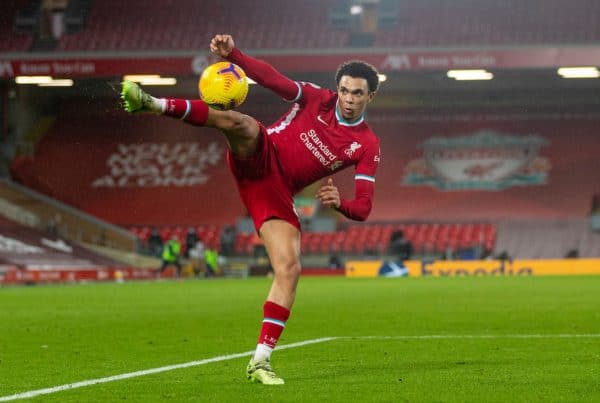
[261,72]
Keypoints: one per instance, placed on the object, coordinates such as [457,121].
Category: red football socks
[273,324]
[194,112]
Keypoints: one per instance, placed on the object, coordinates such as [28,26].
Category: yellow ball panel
[223,85]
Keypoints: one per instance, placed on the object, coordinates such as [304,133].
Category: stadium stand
[114,154]
[189,24]
[208,234]
[308,24]
[13,41]
[35,210]
[374,239]
[569,157]
[355,239]
[120,169]
[548,239]
[27,248]
[475,22]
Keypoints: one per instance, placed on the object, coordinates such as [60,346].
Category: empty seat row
[208,234]
[257,24]
[187,24]
[356,239]
[375,239]
[184,25]
[509,22]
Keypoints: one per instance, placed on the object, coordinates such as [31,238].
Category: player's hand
[222,45]
[329,195]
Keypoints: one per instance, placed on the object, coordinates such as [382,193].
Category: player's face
[353,96]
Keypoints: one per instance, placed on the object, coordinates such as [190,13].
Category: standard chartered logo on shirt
[320,150]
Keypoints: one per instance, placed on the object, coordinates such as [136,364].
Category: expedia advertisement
[442,268]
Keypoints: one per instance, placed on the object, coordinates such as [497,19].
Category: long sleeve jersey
[313,140]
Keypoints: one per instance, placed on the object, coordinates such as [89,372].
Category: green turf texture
[55,335]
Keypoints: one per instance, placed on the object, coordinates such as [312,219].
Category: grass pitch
[436,340]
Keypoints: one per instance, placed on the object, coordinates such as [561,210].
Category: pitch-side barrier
[443,268]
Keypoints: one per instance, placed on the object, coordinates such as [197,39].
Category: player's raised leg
[282,241]
[241,131]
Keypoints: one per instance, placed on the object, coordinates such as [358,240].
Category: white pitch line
[478,336]
[69,386]
[46,391]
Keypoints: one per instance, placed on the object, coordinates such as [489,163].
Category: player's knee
[289,270]
[295,268]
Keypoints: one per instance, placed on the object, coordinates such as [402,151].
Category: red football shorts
[264,189]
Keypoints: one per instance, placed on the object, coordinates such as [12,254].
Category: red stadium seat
[189,25]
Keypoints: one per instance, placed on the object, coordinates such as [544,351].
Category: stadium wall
[445,167]
[484,165]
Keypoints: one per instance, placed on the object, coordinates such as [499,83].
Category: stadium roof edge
[54,55]
[110,64]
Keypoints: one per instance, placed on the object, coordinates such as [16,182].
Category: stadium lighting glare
[382,77]
[159,81]
[32,79]
[66,82]
[579,72]
[356,9]
[137,78]
[150,79]
[463,75]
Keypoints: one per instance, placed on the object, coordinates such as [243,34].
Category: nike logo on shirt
[321,120]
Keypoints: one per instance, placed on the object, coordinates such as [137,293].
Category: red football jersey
[314,141]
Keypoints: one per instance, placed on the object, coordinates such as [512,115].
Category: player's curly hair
[359,69]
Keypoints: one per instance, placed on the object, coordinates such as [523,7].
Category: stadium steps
[75,225]
[127,258]
[547,239]
[29,248]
